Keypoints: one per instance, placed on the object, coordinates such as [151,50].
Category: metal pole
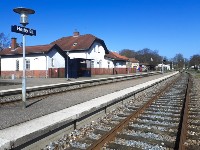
[67,66]
[162,66]
[46,66]
[184,64]
[24,74]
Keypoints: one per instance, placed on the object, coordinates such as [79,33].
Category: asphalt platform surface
[15,113]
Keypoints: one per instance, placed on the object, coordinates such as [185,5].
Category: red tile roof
[116,56]
[76,43]
[133,60]
[70,43]
[29,49]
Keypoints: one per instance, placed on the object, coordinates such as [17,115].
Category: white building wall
[36,63]
[167,67]
[110,64]
[135,65]
[78,55]
[55,60]
[9,64]
[96,52]
[120,64]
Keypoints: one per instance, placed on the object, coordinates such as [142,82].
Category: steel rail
[109,136]
[184,125]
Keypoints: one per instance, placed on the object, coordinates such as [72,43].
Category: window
[52,62]
[17,65]
[88,63]
[75,44]
[28,64]
[108,64]
[100,64]
[92,64]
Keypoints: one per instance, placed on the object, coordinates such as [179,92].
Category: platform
[30,131]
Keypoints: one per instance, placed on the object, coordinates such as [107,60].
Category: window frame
[28,64]
[17,65]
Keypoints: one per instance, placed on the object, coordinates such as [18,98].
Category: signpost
[24,12]
[23,30]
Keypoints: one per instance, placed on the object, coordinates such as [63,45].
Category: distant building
[165,66]
[121,64]
[118,60]
[134,63]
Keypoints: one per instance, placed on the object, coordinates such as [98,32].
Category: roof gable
[116,56]
[70,43]
[133,60]
[81,42]
[39,49]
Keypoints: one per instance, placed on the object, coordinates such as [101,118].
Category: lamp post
[24,12]
[67,66]
[184,64]
[163,60]
[113,60]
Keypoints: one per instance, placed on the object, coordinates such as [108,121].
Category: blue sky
[169,26]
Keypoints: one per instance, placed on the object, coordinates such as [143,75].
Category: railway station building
[82,55]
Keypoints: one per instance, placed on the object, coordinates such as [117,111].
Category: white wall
[9,64]
[120,64]
[58,60]
[165,66]
[78,55]
[135,65]
[36,63]
[96,52]
[110,64]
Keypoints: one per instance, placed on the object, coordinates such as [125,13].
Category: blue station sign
[23,30]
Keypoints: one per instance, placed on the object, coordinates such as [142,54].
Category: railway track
[164,119]
[156,127]
[192,124]
[152,120]
[15,96]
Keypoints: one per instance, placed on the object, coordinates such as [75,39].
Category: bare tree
[179,61]
[195,61]
[4,41]
[128,53]
[148,56]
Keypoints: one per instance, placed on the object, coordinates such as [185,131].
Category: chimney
[76,34]
[13,43]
